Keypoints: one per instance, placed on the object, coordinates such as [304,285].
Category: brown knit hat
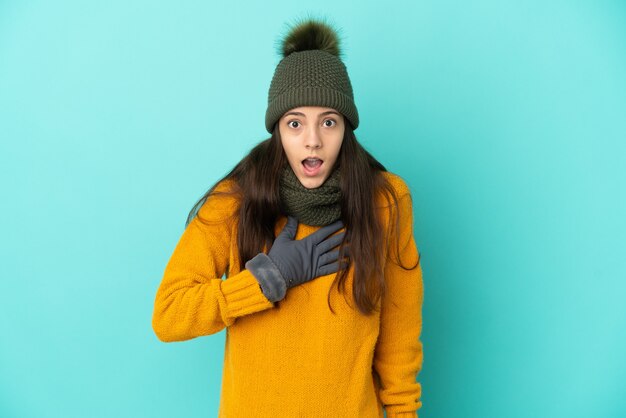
[311,73]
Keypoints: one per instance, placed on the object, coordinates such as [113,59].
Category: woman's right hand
[302,260]
[290,262]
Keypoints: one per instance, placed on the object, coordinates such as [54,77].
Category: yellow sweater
[295,358]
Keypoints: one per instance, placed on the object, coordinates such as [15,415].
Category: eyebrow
[328,112]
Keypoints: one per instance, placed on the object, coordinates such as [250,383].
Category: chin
[311,183]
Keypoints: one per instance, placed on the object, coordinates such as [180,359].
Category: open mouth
[312,165]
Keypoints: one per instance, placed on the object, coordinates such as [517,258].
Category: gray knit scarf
[317,207]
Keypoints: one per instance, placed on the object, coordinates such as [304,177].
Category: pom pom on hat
[310,34]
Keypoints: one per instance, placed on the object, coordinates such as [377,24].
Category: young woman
[323,292]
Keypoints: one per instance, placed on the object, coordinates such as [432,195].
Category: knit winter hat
[311,73]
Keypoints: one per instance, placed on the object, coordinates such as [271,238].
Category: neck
[319,206]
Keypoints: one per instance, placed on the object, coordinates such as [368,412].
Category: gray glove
[292,262]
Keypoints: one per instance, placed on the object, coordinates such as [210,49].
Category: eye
[292,121]
[330,120]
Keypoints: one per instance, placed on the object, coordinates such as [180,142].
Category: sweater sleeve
[398,354]
[193,300]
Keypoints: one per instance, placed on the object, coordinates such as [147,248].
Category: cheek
[287,149]
[292,158]
[337,148]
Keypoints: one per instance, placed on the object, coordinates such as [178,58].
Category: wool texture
[294,357]
[317,207]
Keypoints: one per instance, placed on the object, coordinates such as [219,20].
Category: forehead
[311,110]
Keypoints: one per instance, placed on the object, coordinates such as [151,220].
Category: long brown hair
[256,186]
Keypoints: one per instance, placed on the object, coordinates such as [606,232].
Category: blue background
[507,120]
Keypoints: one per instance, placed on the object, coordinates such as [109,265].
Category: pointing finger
[319,235]
[330,243]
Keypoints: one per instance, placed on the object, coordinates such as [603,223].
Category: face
[311,137]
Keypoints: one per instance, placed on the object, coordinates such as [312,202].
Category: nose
[313,139]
